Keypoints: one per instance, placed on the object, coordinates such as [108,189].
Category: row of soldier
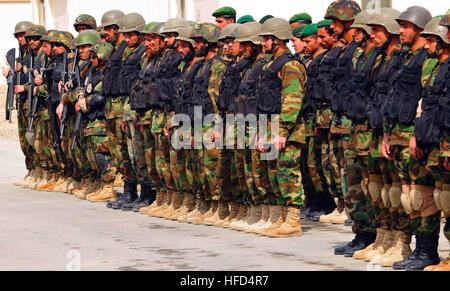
[361,111]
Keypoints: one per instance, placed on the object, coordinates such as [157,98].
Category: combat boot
[43,187]
[428,255]
[389,239]
[62,188]
[234,212]
[166,205]
[214,205]
[222,212]
[265,215]
[107,194]
[80,188]
[399,252]
[275,221]
[129,196]
[367,238]
[90,189]
[241,223]
[164,196]
[360,255]
[156,203]
[291,226]
[22,182]
[442,266]
[201,208]
[211,220]
[35,178]
[401,264]
[177,202]
[254,218]
[61,180]
[46,177]
[147,197]
[341,250]
[189,203]
[31,177]
[72,186]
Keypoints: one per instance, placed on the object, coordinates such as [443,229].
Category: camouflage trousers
[56,164]
[150,159]
[330,163]
[99,144]
[22,123]
[136,153]
[162,160]
[83,156]
[192,167]
[285,176]
[314,162]
[178,167]
[38,154]
[70,169]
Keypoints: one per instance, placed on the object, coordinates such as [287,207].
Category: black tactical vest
[324,81]
[229,86]
[268,94]
[311,97]
[54,77]
[185,90]
[130,70]
[246,102]
[111,75]
[167,76]
[361,84]
[406,89]
[97,110]
[429,125]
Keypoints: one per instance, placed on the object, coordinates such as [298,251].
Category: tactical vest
[130,70]
[246,102]
[268,94]
[311,97]
[361,84]
[97,110]
[406,90]
[54,77]
[167,76]
[341,87]
[229,86]
[429,125]
[324,81]
[201,95]
[185,90]
[111,75]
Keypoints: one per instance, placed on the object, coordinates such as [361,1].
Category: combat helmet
[85,19]
[343,10]
[133,22]
[173,25]
[102,50]
[112,18]
[22,27]
[229,31]
[445,21]
[249,32]
[416,15]
[434,28]
[36,30]
[154,28]
[386,18]
[89,36]
[207,31]
[184,35]
[278,27]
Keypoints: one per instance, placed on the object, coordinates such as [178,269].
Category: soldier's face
[34,42]
[235,48]
[82,27]
[199,46]
[312,43]
[408,32]
[58,48]
[110,33]
[226,48]
[431,44]
[170,39]
[358,34]
[154,42]
[47,48]
[298,45]
[131,38]
[326,40]
[337,26]
[85,51]
[222,22]
[379,35]
[267,43]
[21,39]
[184,48]
[246,49]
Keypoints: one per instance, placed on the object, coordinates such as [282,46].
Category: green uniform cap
[297,31]
[226,12]
[245,19]
[301,17]
[325,22]
[309,30]
[265,18]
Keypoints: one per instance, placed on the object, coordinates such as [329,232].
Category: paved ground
[53,231]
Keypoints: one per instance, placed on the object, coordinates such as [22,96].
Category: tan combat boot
[265,215]
[234,211]
[189,203]
[157,203]
[201,208]
[36,178]
[359,255]
[275,221]
[223,213]
[255,217]
[168,205]
[400,251]
[49,184]
[86,189]
[215,217]
[159,207]
[442,266]
[241,220]
[108,194]
[21,182]
[62,188]
[74,184]
[214,205]
[99,190]
[80,188]
[177,202]
[60,181]
[389,240]
[30,177]
[291,226]
[46,177]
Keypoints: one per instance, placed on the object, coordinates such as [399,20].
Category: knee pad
[395,194]
[437,197]
[385,196]
[375,186]
[422,200]
[445,198]
[405,199]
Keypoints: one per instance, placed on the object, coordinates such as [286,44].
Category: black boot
[147,197]
[428,256]
[306,208]
[326,206]
[366,240]
[314,208]
[342,250]
[402,264]
[129,196]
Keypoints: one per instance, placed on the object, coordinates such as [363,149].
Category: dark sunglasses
[57,44]
[32,38]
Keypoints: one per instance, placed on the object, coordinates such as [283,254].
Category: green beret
[309,30]
[302,17]
[297,31]
[245,18]
[226,12]
[267,17]
[326,22]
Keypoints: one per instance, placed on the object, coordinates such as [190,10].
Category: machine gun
[81,92]
[11,58]
[63,78]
